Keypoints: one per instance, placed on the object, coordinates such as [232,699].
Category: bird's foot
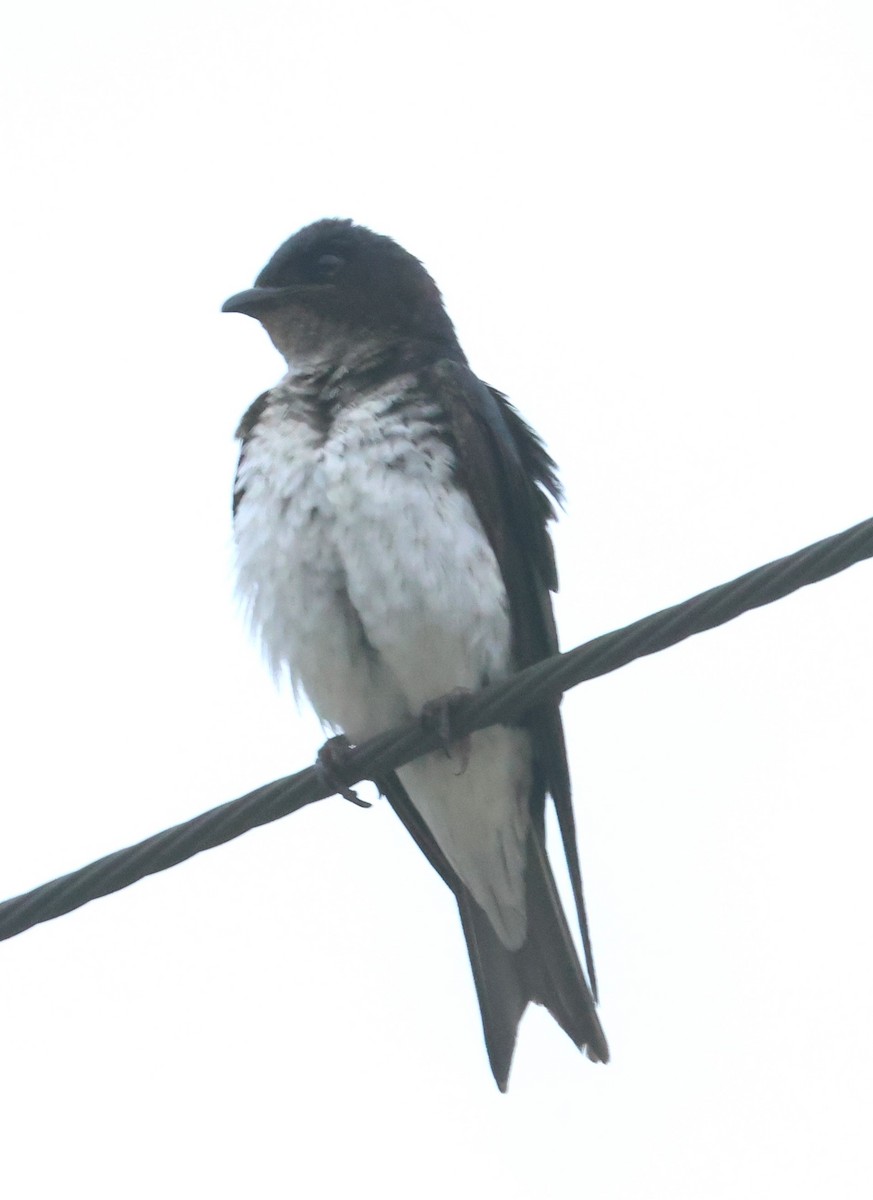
[332,758]
[436,717]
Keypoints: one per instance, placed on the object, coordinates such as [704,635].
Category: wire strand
[500,702]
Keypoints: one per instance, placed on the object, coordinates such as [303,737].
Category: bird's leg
[331,758]
[436,717]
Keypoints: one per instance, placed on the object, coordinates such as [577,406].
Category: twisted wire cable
[500,702]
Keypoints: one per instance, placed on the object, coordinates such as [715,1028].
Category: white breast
[370,579]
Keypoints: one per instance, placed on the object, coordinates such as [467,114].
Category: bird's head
[335,285]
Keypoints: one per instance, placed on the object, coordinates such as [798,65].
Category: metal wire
[500,702]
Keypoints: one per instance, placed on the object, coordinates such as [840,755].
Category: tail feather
[545,970]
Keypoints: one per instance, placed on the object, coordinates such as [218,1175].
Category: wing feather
[513,484]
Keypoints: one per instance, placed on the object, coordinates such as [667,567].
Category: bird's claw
[331,758]
[436,717]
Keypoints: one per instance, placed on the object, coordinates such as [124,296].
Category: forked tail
[545,970]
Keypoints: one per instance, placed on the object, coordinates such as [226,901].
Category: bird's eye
[328,265]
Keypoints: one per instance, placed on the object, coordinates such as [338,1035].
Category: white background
[652,226]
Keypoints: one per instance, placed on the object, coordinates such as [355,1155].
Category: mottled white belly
[370,580]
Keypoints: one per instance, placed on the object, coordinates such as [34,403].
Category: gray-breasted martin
[390,514]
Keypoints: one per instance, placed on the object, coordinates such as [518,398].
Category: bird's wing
[512,482]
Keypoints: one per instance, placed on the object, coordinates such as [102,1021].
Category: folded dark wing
[512,482]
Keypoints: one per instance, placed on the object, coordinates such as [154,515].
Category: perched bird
[390,517]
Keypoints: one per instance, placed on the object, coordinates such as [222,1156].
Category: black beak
[257,300]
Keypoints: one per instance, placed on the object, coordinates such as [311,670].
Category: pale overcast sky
[652,226]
